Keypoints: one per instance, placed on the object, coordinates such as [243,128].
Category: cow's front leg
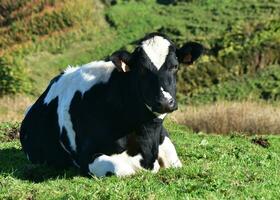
[148,138]
[118,164]
[167,153]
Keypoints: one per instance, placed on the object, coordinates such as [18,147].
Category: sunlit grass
[214,167]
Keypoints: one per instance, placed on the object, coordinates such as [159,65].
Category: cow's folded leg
[148,138]
[167,153]
[106,165]
[117,164]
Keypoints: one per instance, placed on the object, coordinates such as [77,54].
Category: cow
[106,117]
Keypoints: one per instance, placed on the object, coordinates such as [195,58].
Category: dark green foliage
[24,21]
[13,77]
[240,37]
[264,85]
[239,52]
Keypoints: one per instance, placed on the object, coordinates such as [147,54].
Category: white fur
[76,79]
[118,164]
[166,95]
[168,154]
[162,116]
[157,49]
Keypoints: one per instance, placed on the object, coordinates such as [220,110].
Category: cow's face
[155,62]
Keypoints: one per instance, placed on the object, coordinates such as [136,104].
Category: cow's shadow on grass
[13,162]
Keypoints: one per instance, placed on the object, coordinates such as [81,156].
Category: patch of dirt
[13,133]
[8,134]
[263,142]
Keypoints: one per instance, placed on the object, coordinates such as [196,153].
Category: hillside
[37,41]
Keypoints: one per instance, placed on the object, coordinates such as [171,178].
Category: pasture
[214,167]
[232,92]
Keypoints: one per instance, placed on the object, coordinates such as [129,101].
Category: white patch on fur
[162,116]
[166,95]
[76,79]
[168,154]
[125,68]
[157,49]
[118,164]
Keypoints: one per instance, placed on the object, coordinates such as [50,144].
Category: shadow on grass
[166,2]
[13,162]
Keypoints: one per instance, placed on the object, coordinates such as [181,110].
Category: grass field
[40,38]
[214,167]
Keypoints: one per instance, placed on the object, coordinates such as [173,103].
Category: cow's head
[155,63]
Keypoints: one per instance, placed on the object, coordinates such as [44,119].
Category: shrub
[239,52]
[264,85]
[23,24]
[13,77]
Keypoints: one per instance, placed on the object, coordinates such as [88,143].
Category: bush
[13,77]
[245,49]
[264,85]
[24,25]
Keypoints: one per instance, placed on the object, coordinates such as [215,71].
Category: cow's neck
[134,108]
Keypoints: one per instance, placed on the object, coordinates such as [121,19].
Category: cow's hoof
[177,164]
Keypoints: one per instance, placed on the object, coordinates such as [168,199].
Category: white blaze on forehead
[157,49]
[166,95]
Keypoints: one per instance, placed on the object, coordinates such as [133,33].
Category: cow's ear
[189,52]
[121,59]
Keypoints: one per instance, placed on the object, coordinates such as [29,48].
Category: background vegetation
[241,37]
[234,89]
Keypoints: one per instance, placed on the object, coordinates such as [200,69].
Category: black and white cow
[105,121]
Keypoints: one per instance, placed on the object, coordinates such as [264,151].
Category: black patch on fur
[39,133]
[148,138]
[109,174]
[66,143]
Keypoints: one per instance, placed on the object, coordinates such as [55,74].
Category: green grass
[214,167]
